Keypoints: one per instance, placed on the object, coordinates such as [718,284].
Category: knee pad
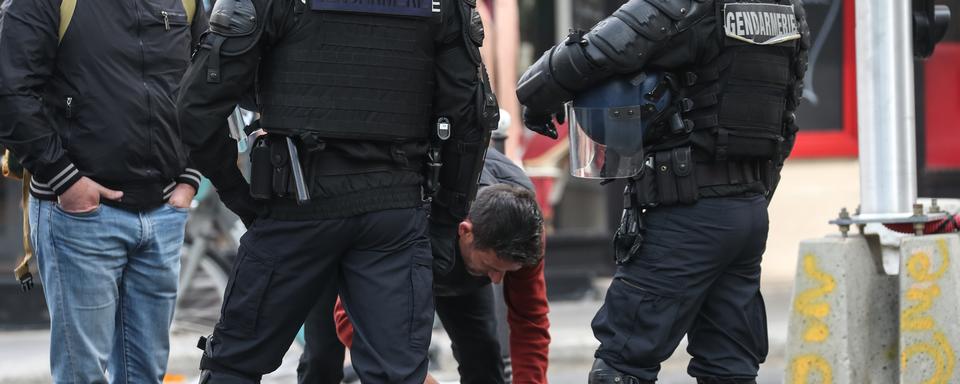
[601,373]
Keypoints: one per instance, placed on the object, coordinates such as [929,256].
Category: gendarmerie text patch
[759,23]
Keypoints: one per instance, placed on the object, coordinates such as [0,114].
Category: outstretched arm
[621,43]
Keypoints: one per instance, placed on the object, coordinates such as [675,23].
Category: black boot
[601,373]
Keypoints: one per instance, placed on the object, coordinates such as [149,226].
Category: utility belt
[276,170]
[673,177]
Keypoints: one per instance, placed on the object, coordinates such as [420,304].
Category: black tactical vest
[740,95]
[346,75]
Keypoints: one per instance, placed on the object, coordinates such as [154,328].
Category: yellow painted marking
[803,367]
[923,292]
[915,318]
[939,352]
[918,266]
[810,304]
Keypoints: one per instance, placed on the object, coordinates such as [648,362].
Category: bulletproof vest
[739,95]
[351,75]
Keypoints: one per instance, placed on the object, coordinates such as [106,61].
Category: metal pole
[886,115]
[563,18]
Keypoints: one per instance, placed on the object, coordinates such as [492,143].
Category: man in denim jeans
[87,95]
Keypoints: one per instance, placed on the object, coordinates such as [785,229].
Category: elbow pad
[234,27]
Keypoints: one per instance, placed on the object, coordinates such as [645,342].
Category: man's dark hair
[507,220]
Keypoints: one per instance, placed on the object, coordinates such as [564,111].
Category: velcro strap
[726,173]
[752,110]
[213,66]
[760,68]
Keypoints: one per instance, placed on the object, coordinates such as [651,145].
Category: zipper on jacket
[166,19]
[69,107]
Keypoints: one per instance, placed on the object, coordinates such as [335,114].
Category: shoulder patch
[760,24]
[409,8]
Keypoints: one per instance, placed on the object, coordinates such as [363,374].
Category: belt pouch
[666,180]
[261,170]
[683,171]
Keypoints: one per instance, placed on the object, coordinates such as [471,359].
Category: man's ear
[464,228]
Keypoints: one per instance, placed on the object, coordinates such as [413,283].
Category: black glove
[239,201]
[542,123]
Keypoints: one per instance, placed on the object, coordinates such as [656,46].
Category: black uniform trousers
[697,273]
[379,263]
[322,359]
[469,319]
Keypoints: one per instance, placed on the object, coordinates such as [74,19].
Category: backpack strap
[67,7]
[190,7]
[22,271]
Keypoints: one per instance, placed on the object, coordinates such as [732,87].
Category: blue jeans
[110,280]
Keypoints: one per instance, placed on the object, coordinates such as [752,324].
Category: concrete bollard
[843,319]
[930,310]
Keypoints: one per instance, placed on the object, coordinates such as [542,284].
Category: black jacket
[99,103]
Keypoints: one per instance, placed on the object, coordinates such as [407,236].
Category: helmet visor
[605,143]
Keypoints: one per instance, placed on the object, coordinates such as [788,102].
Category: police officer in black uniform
[370,107]
[692,264]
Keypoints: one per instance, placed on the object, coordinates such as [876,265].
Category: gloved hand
[542,122]
[239,201]
[443,243]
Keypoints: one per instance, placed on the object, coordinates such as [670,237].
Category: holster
[629,236]
[261,170]
[270,168]
[435,156]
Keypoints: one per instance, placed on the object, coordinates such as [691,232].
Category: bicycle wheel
[199,302]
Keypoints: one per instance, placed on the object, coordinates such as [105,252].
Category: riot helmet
[608,123]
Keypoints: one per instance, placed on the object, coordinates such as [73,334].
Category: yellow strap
[23,268]
[66,15]
[5,167]
[190,6]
